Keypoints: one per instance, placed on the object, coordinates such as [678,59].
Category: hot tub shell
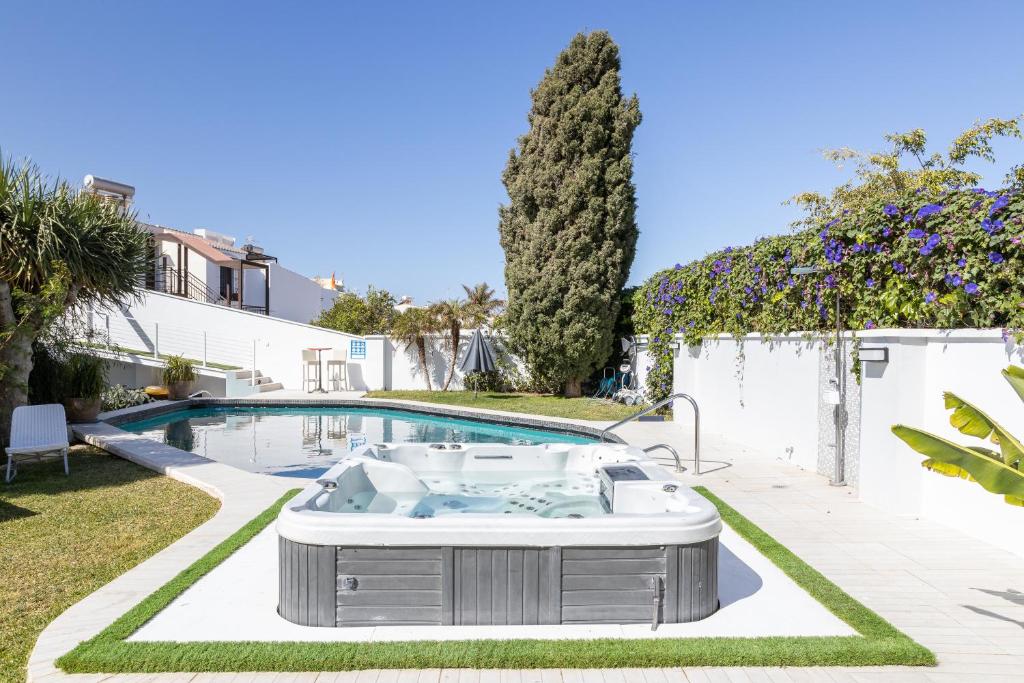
[653,558]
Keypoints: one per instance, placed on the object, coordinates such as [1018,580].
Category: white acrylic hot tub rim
[299,524]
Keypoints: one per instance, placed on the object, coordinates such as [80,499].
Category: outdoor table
[319,369]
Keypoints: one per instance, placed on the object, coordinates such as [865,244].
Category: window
[357,349]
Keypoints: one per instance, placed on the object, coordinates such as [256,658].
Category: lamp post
[839,412]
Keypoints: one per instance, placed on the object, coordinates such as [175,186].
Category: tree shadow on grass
[90,468]
[9,511]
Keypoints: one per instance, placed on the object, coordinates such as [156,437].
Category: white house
[207,266]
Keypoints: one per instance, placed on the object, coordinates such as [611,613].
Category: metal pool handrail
[652,408]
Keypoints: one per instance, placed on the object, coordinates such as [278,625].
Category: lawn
[64,537]
[535,404]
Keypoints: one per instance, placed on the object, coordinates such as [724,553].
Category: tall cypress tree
[569,230]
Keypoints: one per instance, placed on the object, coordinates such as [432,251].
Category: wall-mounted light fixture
[873,354]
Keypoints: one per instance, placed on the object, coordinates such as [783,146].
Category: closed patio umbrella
[479,357]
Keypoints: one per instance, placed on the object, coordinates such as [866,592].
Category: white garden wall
[770,400]
[296,297]
[763,394]
[175,325]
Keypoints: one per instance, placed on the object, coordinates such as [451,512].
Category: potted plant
[83,380]
[179,376]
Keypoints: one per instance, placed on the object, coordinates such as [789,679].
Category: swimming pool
[305,442]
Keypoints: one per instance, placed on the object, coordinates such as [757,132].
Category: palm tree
[481,304]
[450,315]
[59,249]
[412,327]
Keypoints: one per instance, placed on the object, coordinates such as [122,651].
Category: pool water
[305,442]
[562,494]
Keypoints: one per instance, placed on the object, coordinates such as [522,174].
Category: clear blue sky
[369,138]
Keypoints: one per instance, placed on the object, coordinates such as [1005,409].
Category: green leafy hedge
[949,260]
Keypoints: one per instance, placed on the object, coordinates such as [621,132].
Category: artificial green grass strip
[879,643]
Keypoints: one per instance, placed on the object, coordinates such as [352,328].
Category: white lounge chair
[37,431]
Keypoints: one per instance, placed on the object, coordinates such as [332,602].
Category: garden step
[270,386]
[247,374]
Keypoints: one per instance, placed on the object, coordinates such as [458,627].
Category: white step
[270,386]
[247,374]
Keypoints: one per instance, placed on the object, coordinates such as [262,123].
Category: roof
[197,244]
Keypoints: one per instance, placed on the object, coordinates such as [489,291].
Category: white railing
[159,340]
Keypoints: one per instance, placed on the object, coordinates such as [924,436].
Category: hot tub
[450,534]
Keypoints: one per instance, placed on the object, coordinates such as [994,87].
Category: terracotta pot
[82,409]
[179,390]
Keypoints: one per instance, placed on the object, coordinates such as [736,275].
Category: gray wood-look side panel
[612,585]
[390,586]
[334,586]
[698,580]
[306,583]
[506,585]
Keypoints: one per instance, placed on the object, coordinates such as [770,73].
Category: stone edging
[149,410]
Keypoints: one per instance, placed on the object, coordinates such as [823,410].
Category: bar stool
[310,370]
[337,369]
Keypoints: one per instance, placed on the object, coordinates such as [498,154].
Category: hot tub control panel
[609,474]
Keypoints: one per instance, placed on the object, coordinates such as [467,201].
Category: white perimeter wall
[772,405]
[768,401]
[296,297]
[179,325]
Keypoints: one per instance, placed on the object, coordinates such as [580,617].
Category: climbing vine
[948,259]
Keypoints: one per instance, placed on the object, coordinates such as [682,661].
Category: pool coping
[558,425]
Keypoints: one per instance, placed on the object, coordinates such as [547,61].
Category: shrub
[179,369]
[373,314]
[928,260]
[120,396]
[83,376]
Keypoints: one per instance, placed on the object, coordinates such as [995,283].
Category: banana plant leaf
[993,475]
[1015,376]
[972,421]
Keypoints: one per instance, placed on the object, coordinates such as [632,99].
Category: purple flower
[971,288]
[831,223]
[953,280]
[995,257]
[962,262]
[886,232]
[834,252]
[933,241]
[929,297]
[870,282]
[991,226]
[999,203]
[909,217]
[869,325]
[891,210]
[679,266]
[830,281]
[928,210]
[916,234]
[899,267]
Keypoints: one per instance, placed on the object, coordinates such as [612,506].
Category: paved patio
[959,597]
